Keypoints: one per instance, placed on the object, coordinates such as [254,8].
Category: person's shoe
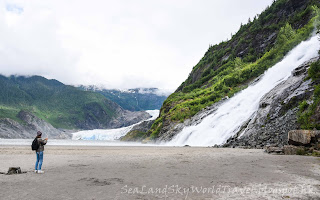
[35,171]
[40,172]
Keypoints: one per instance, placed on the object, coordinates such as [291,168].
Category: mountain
[60,105]
[28,127]
[133,99]
[230,67]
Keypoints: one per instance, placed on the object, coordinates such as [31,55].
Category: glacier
[110,134]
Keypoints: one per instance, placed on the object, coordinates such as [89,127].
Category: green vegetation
[316,154]
[302,152]
[156,127]
[305,151]
[10,112]
[134,135]
[308,115]
[61,105]
[228,67]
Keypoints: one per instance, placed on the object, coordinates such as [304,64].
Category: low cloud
[118,44]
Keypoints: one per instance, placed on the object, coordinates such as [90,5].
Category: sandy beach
[81,172]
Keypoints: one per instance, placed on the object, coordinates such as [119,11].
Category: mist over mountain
[62,106]
[137,99]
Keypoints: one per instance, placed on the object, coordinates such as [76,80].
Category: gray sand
[158,173]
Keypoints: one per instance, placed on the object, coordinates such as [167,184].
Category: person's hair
[39,134]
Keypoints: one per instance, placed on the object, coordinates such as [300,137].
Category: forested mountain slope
[228,67]
[133,99]
[61,105]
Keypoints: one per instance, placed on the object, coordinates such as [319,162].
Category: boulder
[276,150]
[292,150]
[302,137]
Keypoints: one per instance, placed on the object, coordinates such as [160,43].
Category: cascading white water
[228,118]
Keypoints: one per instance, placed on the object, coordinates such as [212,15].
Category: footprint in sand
[101,182]
[77,165]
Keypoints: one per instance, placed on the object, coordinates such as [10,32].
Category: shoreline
[127,172]
[70,142]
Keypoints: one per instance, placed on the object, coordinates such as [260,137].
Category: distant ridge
[137,99]
[63,106]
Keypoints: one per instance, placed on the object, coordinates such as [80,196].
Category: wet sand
[158,173]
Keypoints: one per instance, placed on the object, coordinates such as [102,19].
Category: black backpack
[35,144]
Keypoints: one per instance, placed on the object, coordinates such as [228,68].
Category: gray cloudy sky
[118,43]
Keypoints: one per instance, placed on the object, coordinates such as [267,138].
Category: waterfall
[226,121]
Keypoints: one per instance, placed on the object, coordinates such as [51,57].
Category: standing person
[39,153]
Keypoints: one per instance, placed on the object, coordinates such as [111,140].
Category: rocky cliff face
[277,114]
[28,127]
[127,118]
[227,67]
[138,132]
[97,118]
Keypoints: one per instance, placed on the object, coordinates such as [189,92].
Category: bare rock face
[138,132]
[127,118]
[28,128]
[34,123]
[12,129]
[143,126]
[301,142]
[97,118]
[303,137]
[276,150]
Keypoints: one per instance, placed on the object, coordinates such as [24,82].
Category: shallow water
[68,142]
